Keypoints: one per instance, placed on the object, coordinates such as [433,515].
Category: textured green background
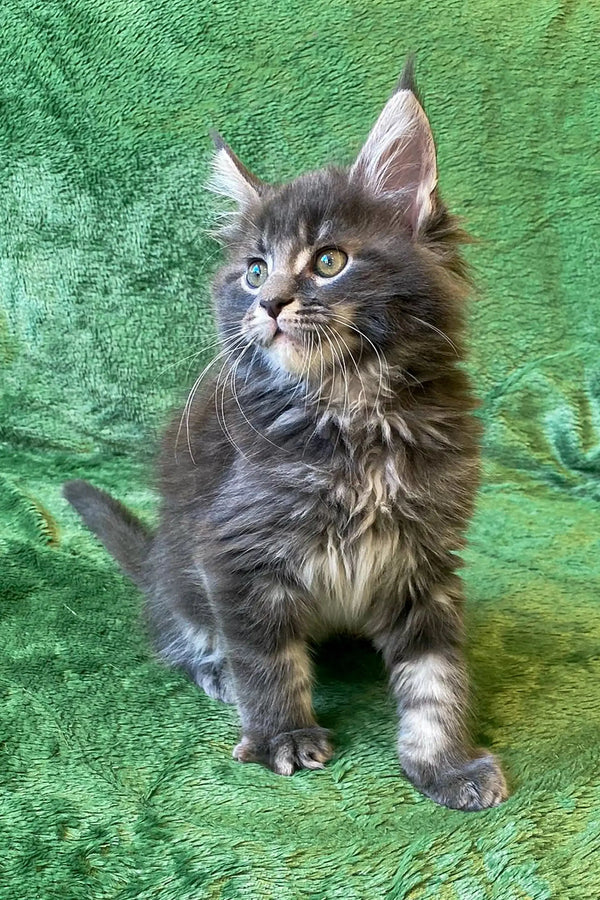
[117,780]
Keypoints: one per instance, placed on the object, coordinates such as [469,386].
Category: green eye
[330,262]
[256,273]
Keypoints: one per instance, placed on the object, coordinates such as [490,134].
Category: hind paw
[216,681]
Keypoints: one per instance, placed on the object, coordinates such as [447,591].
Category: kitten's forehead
[307,212]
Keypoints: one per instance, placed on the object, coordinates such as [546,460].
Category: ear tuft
[230,177]
[398,158]
[407,82]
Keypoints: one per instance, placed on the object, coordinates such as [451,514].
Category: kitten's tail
[123,535]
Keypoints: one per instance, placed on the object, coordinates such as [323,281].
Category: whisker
[301,383]
[438,331]
[203,348]
[190,399]
[322,365]
[221,419]
[343,370]
[337,338]
[380,360]
[245,417]
[228,352]
[307,395]
[335,358]
[317,398]
[249,369]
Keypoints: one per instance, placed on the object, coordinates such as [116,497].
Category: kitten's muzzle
[274,305]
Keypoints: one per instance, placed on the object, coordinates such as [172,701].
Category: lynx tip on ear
[397,160]
[407,82]
[216,139]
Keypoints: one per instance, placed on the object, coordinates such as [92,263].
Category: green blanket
[117,777]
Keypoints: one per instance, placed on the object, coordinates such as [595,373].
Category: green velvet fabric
[117,777]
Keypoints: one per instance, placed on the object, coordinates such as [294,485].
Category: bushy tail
[123,535]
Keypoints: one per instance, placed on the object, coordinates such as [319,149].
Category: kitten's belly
[343,576]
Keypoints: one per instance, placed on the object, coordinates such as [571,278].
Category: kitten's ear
[230,176]
[398,158]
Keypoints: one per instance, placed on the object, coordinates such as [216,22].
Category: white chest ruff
[343,579]
[343,572]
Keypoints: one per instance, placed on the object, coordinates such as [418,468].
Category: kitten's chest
[358,552]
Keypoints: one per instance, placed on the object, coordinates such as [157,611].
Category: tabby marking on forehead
[301,261]
[278,255]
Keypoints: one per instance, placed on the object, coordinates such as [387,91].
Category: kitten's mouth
[280,336]
[282,344]
[287,349]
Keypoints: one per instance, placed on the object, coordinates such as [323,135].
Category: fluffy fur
[321,477]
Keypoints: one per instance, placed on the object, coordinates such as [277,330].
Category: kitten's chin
[286,353]
[282,350]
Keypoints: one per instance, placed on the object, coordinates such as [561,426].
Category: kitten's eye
[330,262]
[256,273]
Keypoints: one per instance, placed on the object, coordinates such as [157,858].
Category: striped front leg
[427,673]
[273,682]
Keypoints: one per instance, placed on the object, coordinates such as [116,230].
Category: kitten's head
[342,269]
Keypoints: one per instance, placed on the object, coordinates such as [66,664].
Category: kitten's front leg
[427,673]
[272,675]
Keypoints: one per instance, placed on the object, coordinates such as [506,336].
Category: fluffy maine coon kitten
[323,479]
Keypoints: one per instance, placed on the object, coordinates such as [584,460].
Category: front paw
[473,785]
[304,748]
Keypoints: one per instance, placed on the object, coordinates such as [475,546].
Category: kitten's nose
[274,305]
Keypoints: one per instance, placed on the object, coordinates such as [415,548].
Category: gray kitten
[323,480]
